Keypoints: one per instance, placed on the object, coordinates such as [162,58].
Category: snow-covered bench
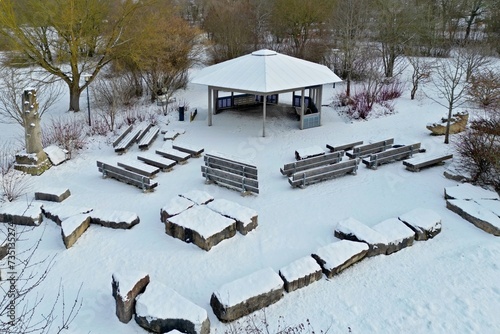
[343,147]
[126,139]
[416,164]
[201,226]
[313,175]
[148,136]
[337,256]
[193,150]
[173,154]
[231,173]
[300,273]
[156,160]
[364,150]
[160,309]
[390,155]
[126,176]
[308,163]
[248,294]
[308,152]
[246,218]
[139,168]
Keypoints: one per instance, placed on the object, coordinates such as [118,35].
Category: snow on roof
[337,253]
[361,231]
[234,210]
[126,280]
[202,220]
[255,284]
[394,229]
[424,218]
[265,71]
[198,196]
[162,302]
[468,191]
[300,268]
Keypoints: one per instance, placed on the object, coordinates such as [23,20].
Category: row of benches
[141,174]
[314,166]
[144,137]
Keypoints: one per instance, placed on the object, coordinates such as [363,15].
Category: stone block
[114,218]
[73,227]
[476,214]
[246,295]
[174,207]
[338,256]
[126,286]
[22,213]
[424,222]
[53,195]
[398,235]
[160,310]
[246,218]
[354,230]
[59,212]
[300,273]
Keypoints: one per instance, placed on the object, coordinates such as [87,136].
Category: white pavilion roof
[265,71]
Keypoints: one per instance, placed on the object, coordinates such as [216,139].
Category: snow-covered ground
[449,284]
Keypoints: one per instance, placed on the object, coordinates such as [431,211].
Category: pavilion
[262,76]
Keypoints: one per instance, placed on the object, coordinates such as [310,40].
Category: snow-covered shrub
[67,133]
[13,183]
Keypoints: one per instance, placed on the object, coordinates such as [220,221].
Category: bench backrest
[232,166]
[373,147]
[103,167]
[399,151]
[325,159]
[119,139]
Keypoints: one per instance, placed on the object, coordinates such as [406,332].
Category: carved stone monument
[33,161]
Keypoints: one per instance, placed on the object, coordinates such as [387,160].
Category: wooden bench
[173,154]
[148,136]
[140,168]
[313,175]
[126,139]
[308,152]
[126,176]
[364,150]
[194,151]
[230,173]
[416,164]
[395,154]
[344,147]
[322,160]
[156,160]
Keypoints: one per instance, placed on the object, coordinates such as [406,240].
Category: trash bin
[181,114]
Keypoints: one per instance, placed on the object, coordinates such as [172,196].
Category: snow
[299,268]
[69,225]
[422,218]
[203,220]
[478,211]
[176,205]
[55,154]
[337,253]
[492,205]
[197,196]
[423,158]
[310,151]
[233,210]
[244,288]
[468,191]
[114,215]
[64,211]
[22,208]
[394,230]
[126,280]
[447,285]
[58,191]
[162,302]
[361,231]
[167,148]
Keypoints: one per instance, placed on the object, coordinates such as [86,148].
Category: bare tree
[475,56]
[20,304]
[422,69]
[449,83]
[13,81]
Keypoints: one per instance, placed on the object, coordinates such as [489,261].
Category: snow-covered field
[449,284]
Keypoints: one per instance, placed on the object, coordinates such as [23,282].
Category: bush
[479,152]
[484,89]
[69,134]
[14,183]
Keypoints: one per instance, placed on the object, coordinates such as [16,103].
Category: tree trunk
[447,134]
[74,97]
[414,91]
